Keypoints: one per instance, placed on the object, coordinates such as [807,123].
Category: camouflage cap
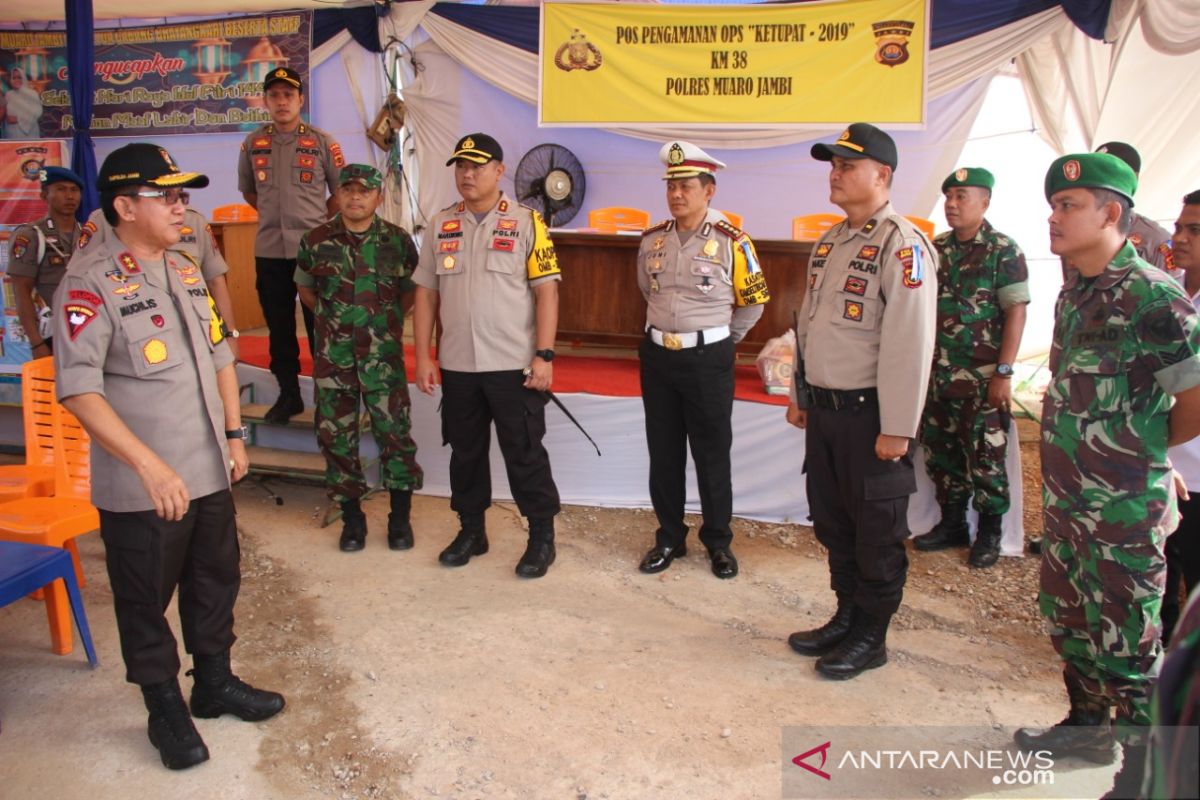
[365,174]
[969,176]
[1091,171]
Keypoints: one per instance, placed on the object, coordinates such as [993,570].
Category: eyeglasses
[169,196]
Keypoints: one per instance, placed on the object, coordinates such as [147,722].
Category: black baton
[527,372]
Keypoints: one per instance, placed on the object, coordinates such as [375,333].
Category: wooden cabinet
[236,240]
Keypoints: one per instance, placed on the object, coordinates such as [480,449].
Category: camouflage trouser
[965,447]
[1102,600]
[337,416]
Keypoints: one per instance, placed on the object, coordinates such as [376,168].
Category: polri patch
[19,246]
[506,225]
[853,310]
[85,296]
[78,317]
[823,249]
[855,285]
[869,252]
[505,245]
[154,351]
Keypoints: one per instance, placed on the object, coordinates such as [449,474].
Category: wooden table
[236,241]
[600,303]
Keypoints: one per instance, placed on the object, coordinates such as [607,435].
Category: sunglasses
[169,196]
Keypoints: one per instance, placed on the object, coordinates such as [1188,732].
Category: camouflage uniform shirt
[977,281]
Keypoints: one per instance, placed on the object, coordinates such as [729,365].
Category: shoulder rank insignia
[729,230]
[665,225]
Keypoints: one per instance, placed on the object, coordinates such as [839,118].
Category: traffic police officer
[704,291]
[284,170]
[489,274]
[864,340]
[142,362]
[1126,339]
[1151,240]
[196,240]
[983,288]
[354,273]
[39,253]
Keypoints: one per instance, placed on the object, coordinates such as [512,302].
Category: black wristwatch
[544,355]
[238,433]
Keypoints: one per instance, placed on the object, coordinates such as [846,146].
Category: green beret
[969,176]
[1091,171]
[365,174]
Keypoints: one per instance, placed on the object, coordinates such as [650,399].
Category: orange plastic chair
[924,224]
[618,218]
[34,478]
[56,521]
[734,219]
[235,212]
[811,227]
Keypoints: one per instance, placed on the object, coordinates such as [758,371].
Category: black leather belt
[837,399]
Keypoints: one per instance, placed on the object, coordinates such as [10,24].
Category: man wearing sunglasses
[141,359]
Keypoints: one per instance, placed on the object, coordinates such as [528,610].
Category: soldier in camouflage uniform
[1126,340]
[982,293]
[351,272]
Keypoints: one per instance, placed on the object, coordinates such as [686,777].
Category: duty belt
[837,399]
[682,341]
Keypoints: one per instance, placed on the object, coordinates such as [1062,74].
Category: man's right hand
[166,489]
[427,375]
[797,416]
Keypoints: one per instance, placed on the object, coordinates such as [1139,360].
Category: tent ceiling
[42,11]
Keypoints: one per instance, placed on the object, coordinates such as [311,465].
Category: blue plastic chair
[26,567]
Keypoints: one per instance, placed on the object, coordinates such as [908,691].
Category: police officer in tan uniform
[864,341]
[39,252]
[489,274]
[196,240]
[288,171]
[704,291]
[142,361]
[1151,240]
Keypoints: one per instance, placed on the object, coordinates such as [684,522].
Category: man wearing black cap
[864,343]
[288,171]
[39,253]
[488,272]
[1151,240]
[141,360]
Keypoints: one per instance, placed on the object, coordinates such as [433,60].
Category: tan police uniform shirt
[292,174]
[56,247]
[696,284]
[868,316]
[1152,242]
[147,337]
[484,273]
[195,239]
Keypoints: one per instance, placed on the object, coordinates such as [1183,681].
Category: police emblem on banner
[577,53]
[891,41]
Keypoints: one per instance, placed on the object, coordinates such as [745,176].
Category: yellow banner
[820,64]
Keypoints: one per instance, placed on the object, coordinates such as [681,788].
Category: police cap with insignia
[1091,171]
[860,140]
[49,175]
[1123,151]
[144,164]
[283,75]
[686,160]
[478,148]
[969,176]
[365,174]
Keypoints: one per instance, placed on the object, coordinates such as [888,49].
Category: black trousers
[471,402]
[1183,560]
[687,396]
[147,558]
[276,285]
[859,506]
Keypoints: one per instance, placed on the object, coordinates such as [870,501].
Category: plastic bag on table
[775,363]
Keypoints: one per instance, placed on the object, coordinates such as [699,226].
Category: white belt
[682,341]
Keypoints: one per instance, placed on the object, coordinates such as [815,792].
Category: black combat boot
[819,641]
[470,541]
[354,527]
[1086,731]
[400,532]
[1127,783]
[986,550]
[951,530]
[539,553]
[218,691]
[865,647]
[170,726]
[289,403]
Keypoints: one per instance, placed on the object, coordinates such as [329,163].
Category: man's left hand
[891,448]
[541,375]
[1000,394]
[240,461]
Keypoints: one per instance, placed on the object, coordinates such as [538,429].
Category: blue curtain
[363,24]
[80,59]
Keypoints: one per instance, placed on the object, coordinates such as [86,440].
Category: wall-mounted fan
[550,179]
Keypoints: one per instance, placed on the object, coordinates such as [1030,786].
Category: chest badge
[448,263]
[711,247]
